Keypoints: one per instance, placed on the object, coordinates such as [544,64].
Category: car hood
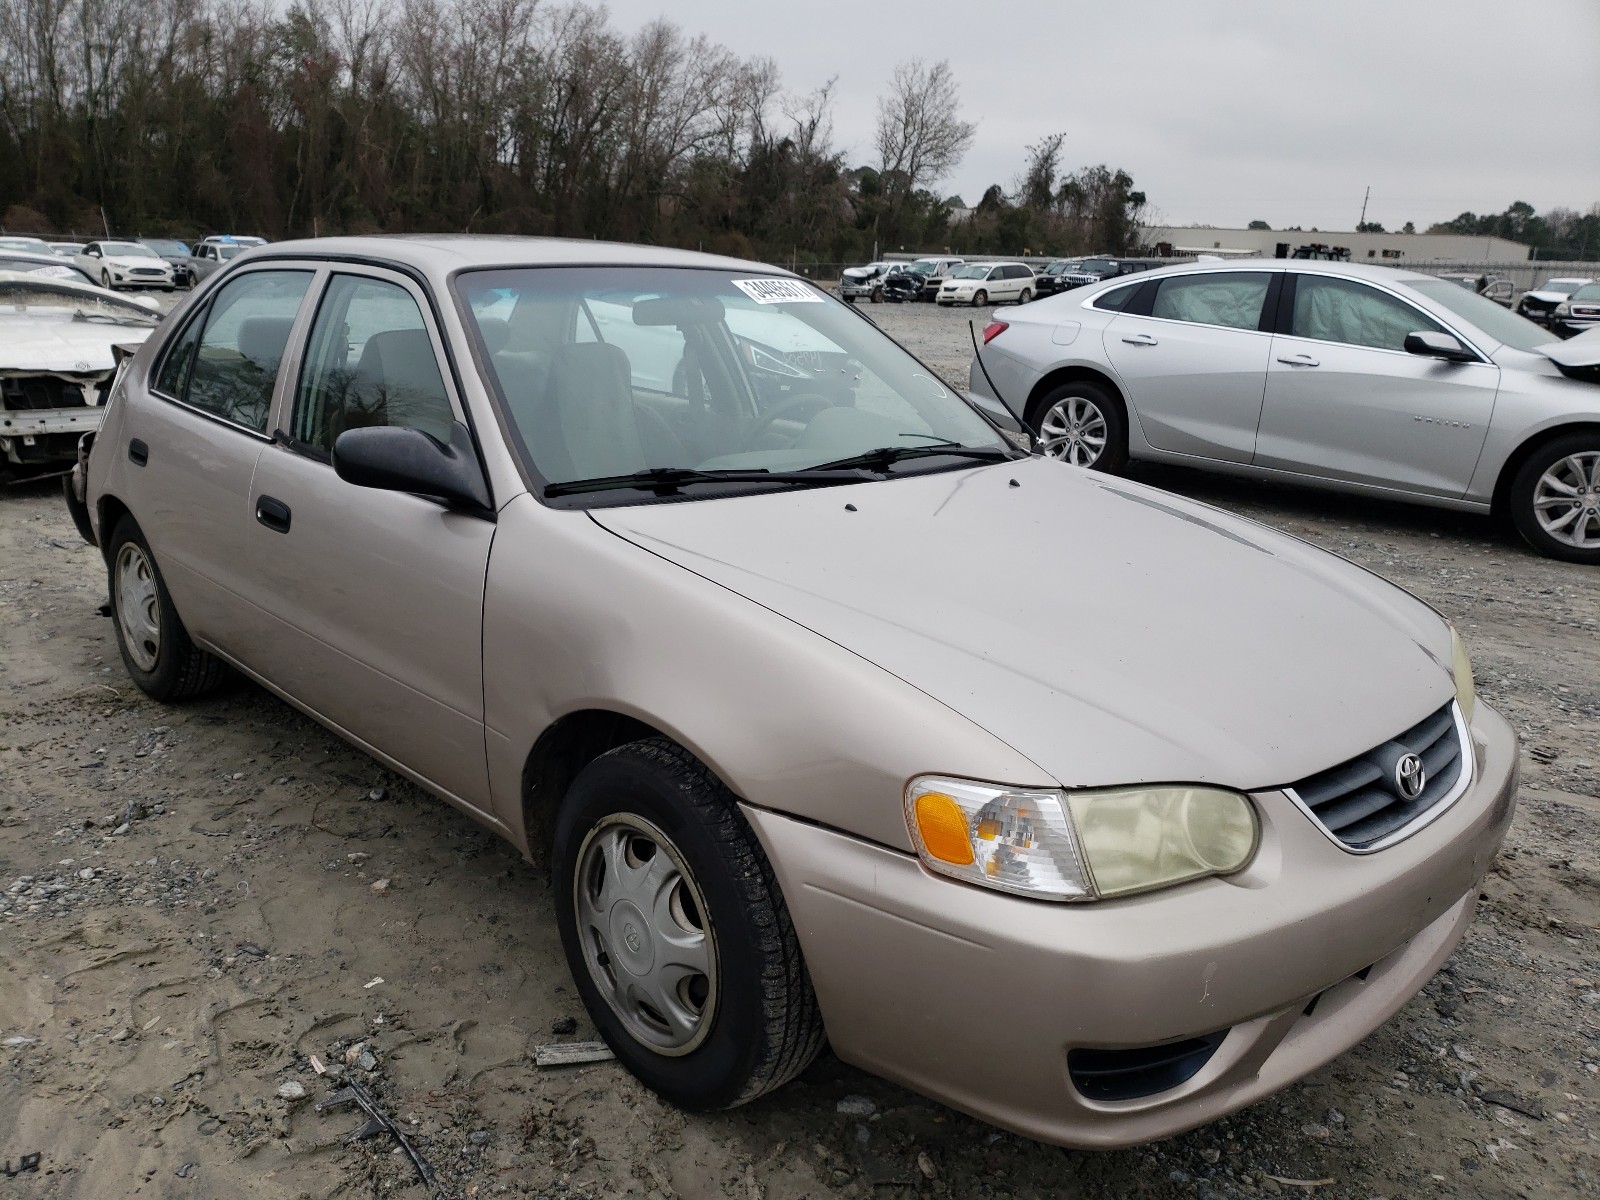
[133,260]
[1580,351]
[62,346]
[1110,632]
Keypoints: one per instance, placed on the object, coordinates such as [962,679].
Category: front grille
[1142,1070]
[23,392]
[146,271]
[1360,802]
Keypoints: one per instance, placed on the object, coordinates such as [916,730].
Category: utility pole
[1364,200]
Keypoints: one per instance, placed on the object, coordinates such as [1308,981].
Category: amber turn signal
[943,827]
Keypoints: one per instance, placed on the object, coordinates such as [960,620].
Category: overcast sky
[1223,111]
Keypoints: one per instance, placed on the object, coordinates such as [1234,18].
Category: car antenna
[972,331]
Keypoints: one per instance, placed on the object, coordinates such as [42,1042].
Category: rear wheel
[155,646]
[1027,294]
[1081,424]
[675,931]
[1555,498]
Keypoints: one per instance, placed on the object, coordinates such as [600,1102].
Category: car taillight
[993,330]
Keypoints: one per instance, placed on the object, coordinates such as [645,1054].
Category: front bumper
[976,998]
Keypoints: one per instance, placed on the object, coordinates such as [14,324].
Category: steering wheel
[790,409]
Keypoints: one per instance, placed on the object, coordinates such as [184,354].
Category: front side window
[607,372]
[1232,299]
[238,353]
[1343,310]
[369,361]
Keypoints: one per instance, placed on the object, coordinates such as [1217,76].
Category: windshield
[1565,286]
[127,250]
[1499,323]
[1096,266]
[609,371]
[165,246]
[226,252]
[971,271]
[1589,291]
[32,245]
[43,298]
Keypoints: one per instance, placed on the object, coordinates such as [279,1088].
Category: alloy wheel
[1073,429]
[646,936]
[1566,500]
[138,606]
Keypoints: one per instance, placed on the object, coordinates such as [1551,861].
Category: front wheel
[1555,499]
[105,279]
[155,646]
[1082,425]
[877,295]
[676,933]
[980,298]
[849,299]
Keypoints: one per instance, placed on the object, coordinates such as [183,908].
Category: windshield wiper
[664,480]
[880,458]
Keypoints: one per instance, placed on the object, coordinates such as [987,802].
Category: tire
[155,646]
[1082,424]
[713,1038]
[105,280]
[849,299]
[980,298]
[1550,522]
[877,295]
[1027,294]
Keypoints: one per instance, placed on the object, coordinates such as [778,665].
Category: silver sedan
[1361,379]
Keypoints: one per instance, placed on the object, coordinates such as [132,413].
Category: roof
[443,253]
[1320,266]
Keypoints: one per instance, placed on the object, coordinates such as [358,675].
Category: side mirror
[397,459]
[1438,345]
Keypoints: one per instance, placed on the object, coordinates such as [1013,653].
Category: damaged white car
[56,365]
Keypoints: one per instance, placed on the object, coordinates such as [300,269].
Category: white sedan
[125,265]
[978,284]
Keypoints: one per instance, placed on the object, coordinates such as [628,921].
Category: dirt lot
[193,900]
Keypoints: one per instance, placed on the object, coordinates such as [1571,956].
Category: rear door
[1191,353]
[193,444]
[377,595]
[1345,401]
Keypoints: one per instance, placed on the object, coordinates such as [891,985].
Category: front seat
[591,393]
[397,382]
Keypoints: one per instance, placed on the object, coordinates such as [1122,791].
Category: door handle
[1298,360]
[274,514]
[1140,339]
[138,453]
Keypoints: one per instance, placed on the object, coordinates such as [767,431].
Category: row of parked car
[954,280]
[117,263]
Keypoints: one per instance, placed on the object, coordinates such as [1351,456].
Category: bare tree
[921,136]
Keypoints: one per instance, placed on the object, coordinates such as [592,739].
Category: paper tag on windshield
[777,291]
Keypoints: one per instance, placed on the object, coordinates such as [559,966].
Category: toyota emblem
[1410,776]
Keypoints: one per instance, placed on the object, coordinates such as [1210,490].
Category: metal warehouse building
[1387,248]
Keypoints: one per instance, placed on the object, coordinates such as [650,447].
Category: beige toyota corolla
[680,575]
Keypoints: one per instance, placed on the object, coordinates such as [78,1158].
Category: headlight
[1079,845]
[1461,667]
[1563,309]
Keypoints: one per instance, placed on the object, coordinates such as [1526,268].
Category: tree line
[155,117]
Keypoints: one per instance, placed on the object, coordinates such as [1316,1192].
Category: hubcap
[647,940]
[138,606]
[1566,500]
[1074,430]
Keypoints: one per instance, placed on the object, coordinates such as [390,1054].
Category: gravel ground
[195,900]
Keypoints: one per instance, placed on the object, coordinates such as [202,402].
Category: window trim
[1286,317]
[296,355]
[202,313]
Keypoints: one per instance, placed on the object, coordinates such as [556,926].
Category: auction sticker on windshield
[777,291]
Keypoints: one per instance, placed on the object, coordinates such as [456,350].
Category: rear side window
[369,361]
[1342,310]
[1117,298]
[1232,299]
[226,363]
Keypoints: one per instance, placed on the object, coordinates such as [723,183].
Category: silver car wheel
[1566,500]
[138,606]
[1073,429]
[647,938]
